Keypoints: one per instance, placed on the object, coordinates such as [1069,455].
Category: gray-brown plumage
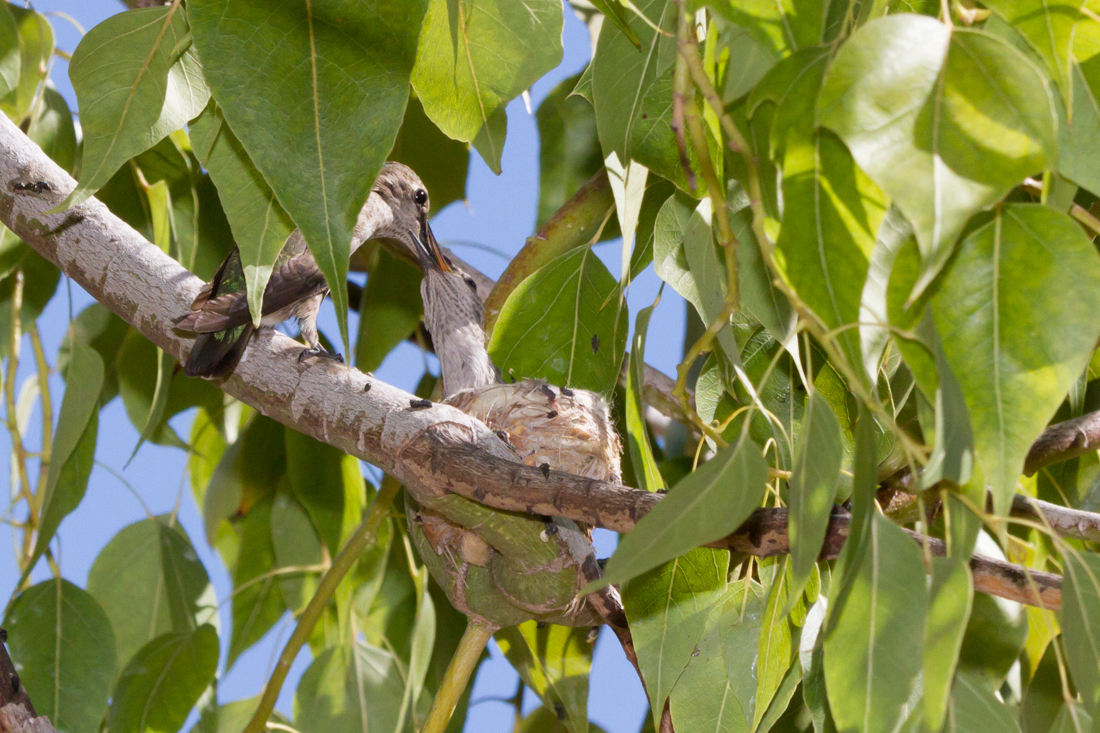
[397,209]
[549,427]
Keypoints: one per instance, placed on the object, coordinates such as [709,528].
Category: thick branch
[431,451]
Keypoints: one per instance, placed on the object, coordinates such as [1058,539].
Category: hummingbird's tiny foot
[319,352]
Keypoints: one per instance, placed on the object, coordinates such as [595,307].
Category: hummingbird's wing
[295,280]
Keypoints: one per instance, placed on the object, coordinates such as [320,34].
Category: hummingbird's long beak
[427,249]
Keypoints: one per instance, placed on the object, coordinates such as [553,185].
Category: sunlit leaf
[705,506]
[260,226]
[73,450]
[137,80]
[814,478]
[349,690]
[1081,623]
[475,57]
[564,324]
[637,431]
[949,598]
[945,121]
[1009,283]
[1048,26]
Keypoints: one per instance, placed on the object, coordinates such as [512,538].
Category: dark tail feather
[216,358]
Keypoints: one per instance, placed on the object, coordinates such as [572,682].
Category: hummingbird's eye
[420,197]
[471,284]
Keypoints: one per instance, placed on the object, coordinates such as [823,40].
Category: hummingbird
[397,208]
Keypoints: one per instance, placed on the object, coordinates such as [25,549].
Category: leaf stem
[20,452]
[363,538]
[462,665]
[47,404]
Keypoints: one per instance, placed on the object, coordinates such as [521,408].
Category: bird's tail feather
[215,355]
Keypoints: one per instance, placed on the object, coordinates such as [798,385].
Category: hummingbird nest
[563,429]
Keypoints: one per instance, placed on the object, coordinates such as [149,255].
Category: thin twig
[19,451]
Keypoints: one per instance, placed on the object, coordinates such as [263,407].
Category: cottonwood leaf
[915,102]
[161,684]
[554,661]
[708,504]
[564,324]
[149,581]
[1081,623]
[478,55]
[1011,344]
[872,655]
[137,80]
[65,651]
[667,609]
[319,117]
[260,225]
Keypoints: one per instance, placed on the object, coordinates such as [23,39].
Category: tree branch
[431,451]
[1063,441]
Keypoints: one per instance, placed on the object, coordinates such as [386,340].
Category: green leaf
[760,298]
[684,256]
[35,50]
[208,445]
[260,226]
[704,699]
[64,651]
[554,661]
[566,324]
[1081,623]
[475,57]
[1079,133]
[1006,334]
[779,632]
[832,210]
[137,80]
[740,616]
[422,641]
[296,545]
[52,128]
[441,163]
[40,278]
[9,53]
[637,430]
[248,472]
[667,609]
[614,11]
[103,331]
[781,27]
[994,638]
[569,149]
[319,117]
[705,506]
[149,582]
[140,369]
[73,450]
[163,681]
[872,656]
[389,311]
[917,105]
[259,604]
[975,708]
[950,595]
[1048,26]
[814,479]
[328,484]
[350,690]
[632,92]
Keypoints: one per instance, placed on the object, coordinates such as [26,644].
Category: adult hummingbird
[397,209]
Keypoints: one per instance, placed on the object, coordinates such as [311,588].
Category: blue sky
[500,213]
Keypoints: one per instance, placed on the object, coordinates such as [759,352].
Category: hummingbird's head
[398,209]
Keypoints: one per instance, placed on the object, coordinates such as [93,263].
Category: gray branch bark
[431,451]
